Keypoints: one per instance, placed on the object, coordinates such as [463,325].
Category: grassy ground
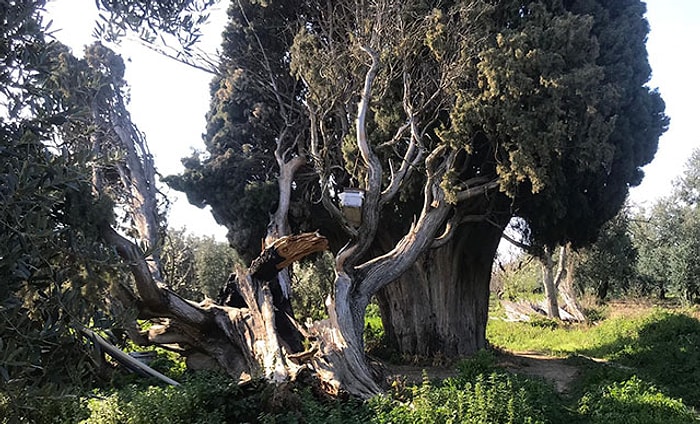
[638,344]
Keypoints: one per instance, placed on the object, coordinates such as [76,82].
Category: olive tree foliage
[666,238]
[171,28]
[609,266]
[81,217]
[196,267]
[57,274]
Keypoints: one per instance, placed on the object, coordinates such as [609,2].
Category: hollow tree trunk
[441,304]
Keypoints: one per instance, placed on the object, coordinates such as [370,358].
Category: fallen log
[124,359]
[524,311]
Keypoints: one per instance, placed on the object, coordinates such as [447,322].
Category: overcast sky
[169,100]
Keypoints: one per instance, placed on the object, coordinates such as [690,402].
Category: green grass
[662,347]
[563,340]
[632,401]
[481,393]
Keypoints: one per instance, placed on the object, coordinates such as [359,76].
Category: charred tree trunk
[440,306]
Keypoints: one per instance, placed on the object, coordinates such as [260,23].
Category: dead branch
[285,250]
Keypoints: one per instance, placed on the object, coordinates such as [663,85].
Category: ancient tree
[449,119]
[488,111]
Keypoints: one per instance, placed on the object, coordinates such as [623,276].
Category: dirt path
[555,370]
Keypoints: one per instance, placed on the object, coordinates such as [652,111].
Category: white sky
[169,100]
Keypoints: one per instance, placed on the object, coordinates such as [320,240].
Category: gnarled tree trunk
[248,337]
[440,306]
[567,289]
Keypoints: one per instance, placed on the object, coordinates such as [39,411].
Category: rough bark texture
[440,306]
[255,334]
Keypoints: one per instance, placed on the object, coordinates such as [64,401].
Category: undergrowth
[662,347]
[651,377]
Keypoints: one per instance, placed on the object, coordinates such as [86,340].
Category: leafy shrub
[494,398]
[479,394]
[543,322]
[633,402]
[374,330]
[311,409]
[168,363]
[46,405]
[204,397]
[663,346]
[483,362]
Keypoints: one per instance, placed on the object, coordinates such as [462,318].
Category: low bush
[632,402]
[652,378]
[43,405]
[206,397]
[474,398]
[203,397]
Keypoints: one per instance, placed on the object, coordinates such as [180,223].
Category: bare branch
[414,152]
[472,192]
[371,209]
[125,359]
[366,152]
[208,63]
[397,136]
[322,172]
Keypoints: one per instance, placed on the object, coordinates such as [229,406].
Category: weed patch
[632,402]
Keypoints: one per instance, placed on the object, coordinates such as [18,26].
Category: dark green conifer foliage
[546,98]
[549,98]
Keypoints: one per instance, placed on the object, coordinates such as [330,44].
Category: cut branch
[125,359]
